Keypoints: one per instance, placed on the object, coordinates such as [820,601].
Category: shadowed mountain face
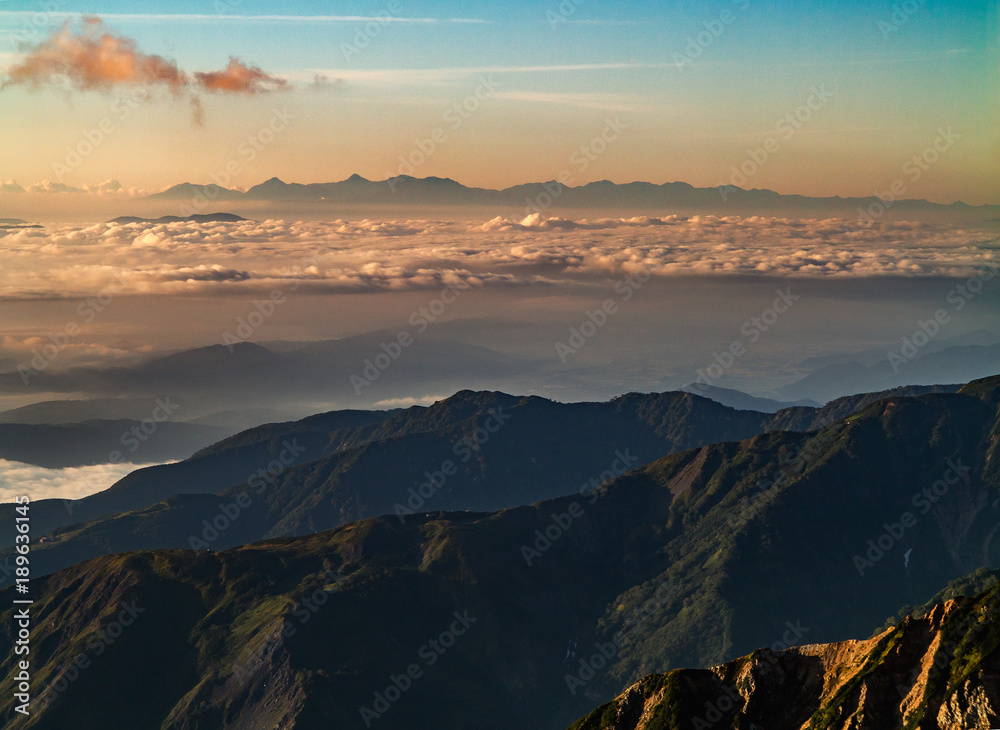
[219,377]
[98,442]
[534,615]
[474,451]
[937,672]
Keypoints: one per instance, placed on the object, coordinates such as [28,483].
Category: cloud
[274,18]
[445,74]
[426,400]
[610,102]
[539,222]
[73,483]
[108,186]
[89,56]
[367,256]
[47,186]
[238,78]
[76,353]
[321,82]
[106,189]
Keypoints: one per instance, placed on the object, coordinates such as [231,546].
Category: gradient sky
[892,87]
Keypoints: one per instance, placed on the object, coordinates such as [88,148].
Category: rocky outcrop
[937,672]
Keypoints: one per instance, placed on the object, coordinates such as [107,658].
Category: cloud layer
[18,479]
[370,255]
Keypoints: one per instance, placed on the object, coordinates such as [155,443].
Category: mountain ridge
[736,576]
[539,196]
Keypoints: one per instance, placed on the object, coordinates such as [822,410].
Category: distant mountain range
[532,616]
[361,464]
[743,402]
[537,197]
[15,223]
[286,378]
[97,442]
[59,412]
[958,363]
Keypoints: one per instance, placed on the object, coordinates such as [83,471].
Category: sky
[104,103]
[809,98]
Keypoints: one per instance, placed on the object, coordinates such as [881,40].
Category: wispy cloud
[610,102]
[412,76]
[202,17]
[425,400]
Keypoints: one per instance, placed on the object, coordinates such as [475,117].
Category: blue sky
[695,112]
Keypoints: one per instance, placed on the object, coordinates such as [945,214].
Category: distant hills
[15,223]
[537,197]
[743,402]
[957,363]
[197,218]
[94,442]
[538,614]
[286,378]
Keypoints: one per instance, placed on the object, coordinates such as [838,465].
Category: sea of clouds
[184,258]
[18,479]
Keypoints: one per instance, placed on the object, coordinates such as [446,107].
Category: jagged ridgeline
[533,616]
[941,670]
